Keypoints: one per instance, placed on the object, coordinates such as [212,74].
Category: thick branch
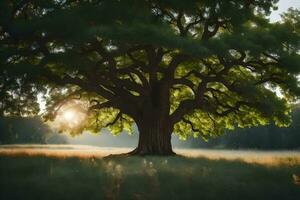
[100,106]
[191,124]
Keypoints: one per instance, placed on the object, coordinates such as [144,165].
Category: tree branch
[119,116]
[191,124]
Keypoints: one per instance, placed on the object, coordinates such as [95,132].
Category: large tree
[193,67]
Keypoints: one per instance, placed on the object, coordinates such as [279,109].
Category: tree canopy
[193,68]
[269,137]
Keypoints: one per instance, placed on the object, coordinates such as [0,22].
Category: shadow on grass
[39,177]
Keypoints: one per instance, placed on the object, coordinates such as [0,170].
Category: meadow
[80,172]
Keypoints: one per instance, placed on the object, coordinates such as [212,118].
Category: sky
[283,5]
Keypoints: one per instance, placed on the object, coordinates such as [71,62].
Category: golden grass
[62,151]
[82,151]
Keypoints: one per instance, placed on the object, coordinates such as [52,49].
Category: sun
[69,115]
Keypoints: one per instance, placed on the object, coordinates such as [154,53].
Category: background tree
[192,67]
[29,130]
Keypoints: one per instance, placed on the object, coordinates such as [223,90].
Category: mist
[106,139]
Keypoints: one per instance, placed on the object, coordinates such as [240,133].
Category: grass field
[80,172]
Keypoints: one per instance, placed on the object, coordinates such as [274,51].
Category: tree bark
[154,138]
[154,124]
[155,129]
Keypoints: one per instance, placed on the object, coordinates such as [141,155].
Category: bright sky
[283,5]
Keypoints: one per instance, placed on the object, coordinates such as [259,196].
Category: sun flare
[69,115]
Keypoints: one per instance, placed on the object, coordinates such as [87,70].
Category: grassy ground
[39,176]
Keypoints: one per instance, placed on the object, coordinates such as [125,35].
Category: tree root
[138,152]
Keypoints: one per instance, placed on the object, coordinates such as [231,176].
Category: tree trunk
[154,136]
[154,125]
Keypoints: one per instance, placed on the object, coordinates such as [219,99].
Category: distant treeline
[17,130]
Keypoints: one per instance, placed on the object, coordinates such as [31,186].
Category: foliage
[263,137]
[201,66]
